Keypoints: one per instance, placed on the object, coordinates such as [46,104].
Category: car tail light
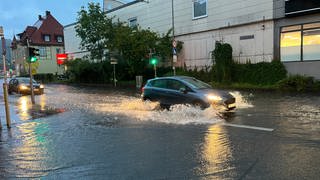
[142,90]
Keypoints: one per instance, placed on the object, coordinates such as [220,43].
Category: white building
[253,28]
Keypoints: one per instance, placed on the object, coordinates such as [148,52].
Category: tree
[95,30]
[130,45]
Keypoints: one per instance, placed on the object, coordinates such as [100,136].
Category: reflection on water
[26,110]
[30,155]
[215,153]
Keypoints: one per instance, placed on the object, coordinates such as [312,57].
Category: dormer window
[46,38]
[59,39]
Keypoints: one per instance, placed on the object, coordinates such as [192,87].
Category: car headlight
[23,87]
[214,98]
[41,86]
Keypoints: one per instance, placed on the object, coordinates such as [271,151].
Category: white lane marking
[248,127]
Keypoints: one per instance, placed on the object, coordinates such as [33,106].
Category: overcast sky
[16,15]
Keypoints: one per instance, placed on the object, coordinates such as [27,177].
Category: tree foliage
[222,55]
[95,30]
[104,37]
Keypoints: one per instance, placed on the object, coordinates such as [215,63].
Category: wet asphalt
[76,132]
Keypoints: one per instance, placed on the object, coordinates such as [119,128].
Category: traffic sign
[174,51]
[174,43]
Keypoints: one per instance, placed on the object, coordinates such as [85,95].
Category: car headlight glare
[41,86]
[214,98]
[23,87]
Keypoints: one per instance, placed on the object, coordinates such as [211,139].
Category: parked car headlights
[214,98]
[23,87]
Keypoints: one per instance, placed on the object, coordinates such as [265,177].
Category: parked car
[185,90]
[21,85]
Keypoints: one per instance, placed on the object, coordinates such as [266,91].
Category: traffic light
[33,53]
[154,61]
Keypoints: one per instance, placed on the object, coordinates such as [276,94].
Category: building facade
[47,36]
[9,62]
[257,30]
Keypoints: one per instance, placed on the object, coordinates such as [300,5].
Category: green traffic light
[154,61]
[33,59]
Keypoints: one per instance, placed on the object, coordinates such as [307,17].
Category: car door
[177,92]
[158,91]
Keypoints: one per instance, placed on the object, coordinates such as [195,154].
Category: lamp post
[5,84]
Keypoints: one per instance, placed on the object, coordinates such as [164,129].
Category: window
[42,52]
[199,8]
[45,53]
[291,46]
[46,38]
[175,85]
[133,22]
[300,43]
[311,44]
[59,39]
[159,83]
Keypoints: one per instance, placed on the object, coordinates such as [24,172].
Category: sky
[16,15]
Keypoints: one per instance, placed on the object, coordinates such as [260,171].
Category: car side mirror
[183,90]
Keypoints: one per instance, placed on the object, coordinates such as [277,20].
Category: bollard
[5,93]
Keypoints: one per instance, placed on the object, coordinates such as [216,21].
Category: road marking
[248,127]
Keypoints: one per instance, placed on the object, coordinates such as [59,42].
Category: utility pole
[30,74]
[5,84]
[174,56]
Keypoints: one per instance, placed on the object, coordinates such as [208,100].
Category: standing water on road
[112,134]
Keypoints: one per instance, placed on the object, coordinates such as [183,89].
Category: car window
[160,83]
[26,80]
[197,84]
[174,84]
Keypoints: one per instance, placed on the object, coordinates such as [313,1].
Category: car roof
[173,77]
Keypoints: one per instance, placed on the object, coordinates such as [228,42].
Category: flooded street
[105,133]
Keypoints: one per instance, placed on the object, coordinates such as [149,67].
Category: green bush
[44,78]
[222,55]
[299,83]
[263,73]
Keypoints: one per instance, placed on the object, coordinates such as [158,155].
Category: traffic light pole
[30,74]
[5,84]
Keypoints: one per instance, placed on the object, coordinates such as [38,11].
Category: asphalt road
[102,133]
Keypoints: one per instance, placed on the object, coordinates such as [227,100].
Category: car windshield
[26,80]
[197,84]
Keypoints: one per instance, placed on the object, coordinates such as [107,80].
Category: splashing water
[178,114]
[241,102]
[135,108]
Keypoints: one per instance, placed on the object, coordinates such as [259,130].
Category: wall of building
[46,65]
[72,42]
[226,21]
[308,68]
[110,4]
[251,42]
[49,65]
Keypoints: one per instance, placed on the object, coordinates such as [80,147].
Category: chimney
[47,13]
[40,18]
